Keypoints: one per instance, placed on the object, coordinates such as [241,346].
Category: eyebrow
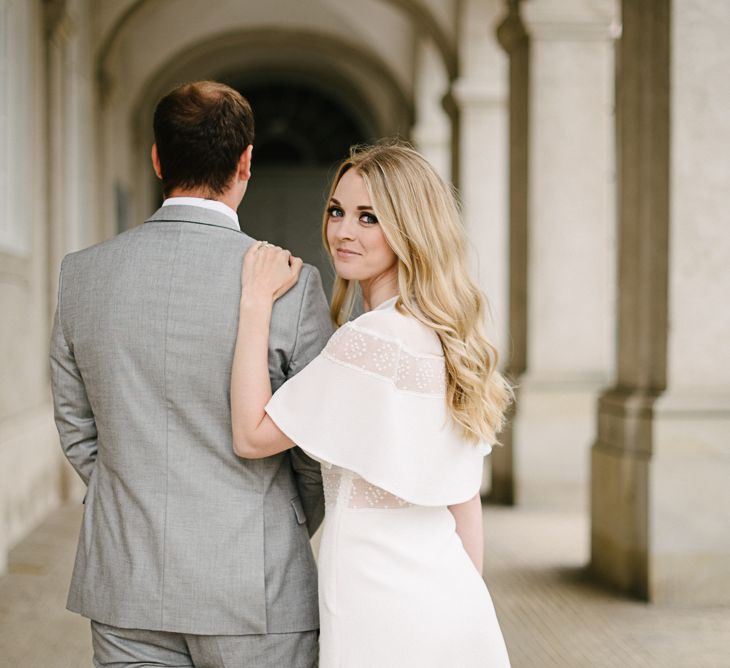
[334,200]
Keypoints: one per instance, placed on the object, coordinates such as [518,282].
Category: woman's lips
[346,254]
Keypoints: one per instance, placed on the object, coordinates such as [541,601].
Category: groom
[188,555]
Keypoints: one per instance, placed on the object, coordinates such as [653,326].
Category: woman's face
[355,239]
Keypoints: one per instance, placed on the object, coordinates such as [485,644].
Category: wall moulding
[572,32]
[571,20]
[475,92]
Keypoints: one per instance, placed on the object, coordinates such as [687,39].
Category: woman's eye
[368,219]
[335,212]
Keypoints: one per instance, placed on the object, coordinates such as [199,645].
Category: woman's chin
[347,273]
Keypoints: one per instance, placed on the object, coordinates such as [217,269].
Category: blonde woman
[399,408]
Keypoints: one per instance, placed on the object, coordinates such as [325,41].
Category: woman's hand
[268,272]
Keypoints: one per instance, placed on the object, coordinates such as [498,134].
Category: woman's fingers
[295,267]
[295,264]
[269,271]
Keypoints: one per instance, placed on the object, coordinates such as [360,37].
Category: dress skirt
[397,588]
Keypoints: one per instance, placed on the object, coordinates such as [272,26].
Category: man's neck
[226,198]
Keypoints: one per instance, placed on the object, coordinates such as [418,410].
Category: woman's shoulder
[394,324]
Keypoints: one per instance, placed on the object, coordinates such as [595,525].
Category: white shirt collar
[213,204]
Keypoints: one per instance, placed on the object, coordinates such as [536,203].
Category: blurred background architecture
[590,143]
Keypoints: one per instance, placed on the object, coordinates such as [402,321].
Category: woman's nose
[346,229]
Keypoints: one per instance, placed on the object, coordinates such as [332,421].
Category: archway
[367,50]
[302,132]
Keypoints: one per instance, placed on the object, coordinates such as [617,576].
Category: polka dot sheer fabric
[343,486]
[389,359]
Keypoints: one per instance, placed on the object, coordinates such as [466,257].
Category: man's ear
[156,162]
[244,163]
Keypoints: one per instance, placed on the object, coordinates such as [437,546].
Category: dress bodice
[373,404]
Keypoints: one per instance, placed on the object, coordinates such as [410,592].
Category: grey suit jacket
[178,533]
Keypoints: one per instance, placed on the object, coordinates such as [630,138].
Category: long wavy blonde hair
[420,218]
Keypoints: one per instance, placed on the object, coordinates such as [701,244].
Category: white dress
[396,587]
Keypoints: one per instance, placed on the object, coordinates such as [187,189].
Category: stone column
[513,39]
[480,93]
[59,28]
[660,465]
[567,247]
[30,459]
[70,172]
[432,130]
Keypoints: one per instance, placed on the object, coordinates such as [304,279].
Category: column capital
[58,23]
[511,32]
[574,20]
[472,92]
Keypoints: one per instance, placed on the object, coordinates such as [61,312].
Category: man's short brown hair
[201,129]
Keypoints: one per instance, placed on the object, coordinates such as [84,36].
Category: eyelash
[336,212]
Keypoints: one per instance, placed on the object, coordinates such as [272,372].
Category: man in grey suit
[188,555]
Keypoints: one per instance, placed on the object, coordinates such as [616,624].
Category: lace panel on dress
[365,495]
[421,374]
[344,486]
[331,479]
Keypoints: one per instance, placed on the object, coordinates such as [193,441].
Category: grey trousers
[138,648]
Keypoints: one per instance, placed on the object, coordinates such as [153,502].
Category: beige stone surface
[551,615]
[699,249]
[36,631]
[481,92]
[660,495]
[30,472]
[570,234]
[31,475]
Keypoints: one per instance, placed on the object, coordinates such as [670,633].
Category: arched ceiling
[354,75]
[362,53]
[367,21]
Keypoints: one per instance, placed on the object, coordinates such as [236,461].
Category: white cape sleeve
[369,404]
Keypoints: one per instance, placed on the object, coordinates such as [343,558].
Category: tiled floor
[550,614]
[553,616]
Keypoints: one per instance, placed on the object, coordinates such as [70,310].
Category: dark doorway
[302,133]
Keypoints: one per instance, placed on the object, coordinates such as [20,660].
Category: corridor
[583,138]
[550,614]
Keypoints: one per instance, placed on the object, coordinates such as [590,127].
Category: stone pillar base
[501,487]
[689,499]
[618,519]
[553,432]
[660,473]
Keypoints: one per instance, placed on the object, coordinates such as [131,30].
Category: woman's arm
[468,516]
[268,272]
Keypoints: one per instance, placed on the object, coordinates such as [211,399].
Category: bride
[399,408]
